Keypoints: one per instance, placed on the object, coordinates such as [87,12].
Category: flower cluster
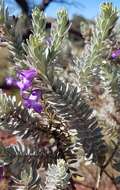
[24,83]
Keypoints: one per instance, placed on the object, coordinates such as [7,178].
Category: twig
[109,160]
[112,179]
[98,178]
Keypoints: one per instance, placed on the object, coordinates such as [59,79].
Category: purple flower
[115,54]
[1,172]
[36,106]
[29,74]
[32,101]
[25,78]
[10,81]
[24,84]
[35,95]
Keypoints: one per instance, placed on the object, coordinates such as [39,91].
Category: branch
[109,160]
[45,3]
[24,5]
[74,3]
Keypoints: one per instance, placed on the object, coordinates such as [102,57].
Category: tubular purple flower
[32,101]
[10,81]
[24,84]
[115,54]
[35,95]
[28,74]
[25,78]
[36,106]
